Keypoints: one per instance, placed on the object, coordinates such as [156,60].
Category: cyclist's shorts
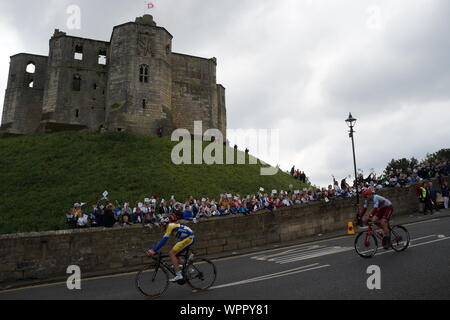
[385,213]
[184,245]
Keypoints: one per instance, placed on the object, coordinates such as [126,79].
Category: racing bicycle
[366,243]
[153,280]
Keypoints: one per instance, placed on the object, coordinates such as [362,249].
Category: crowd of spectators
[299,175]
[153,211]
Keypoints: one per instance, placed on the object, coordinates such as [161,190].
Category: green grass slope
[42,176]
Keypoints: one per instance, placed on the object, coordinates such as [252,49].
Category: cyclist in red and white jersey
[380,215]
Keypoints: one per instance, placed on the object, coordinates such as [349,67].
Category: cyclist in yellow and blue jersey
[185,238]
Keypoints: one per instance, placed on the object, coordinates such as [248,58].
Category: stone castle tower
[132,83]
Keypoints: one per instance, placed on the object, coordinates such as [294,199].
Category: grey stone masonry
[132,83]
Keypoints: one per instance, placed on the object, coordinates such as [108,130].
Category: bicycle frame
[371,230]
[160,261]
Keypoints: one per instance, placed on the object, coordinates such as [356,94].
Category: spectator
[445,194]
[428,200]
[109,219]
[188,214]
[83,221]
[96,216]
[138,216]
[421,193]
[125,221]
[72,217]
[433,195]
[149,221]
[126,212]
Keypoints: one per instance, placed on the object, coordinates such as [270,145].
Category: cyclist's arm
[161,243]
[363,210]
[164,239]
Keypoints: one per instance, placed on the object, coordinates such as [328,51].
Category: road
[328,269]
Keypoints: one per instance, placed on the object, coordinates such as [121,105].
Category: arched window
[76,85]
[31,67]
[143,73]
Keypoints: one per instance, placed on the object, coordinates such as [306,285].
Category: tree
[443,154]
[402,164]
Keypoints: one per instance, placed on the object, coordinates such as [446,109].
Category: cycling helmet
[173,219]
[367,193]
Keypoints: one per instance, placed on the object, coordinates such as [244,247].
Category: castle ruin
[133,83]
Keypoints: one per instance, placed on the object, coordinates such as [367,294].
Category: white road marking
[301,254]
[416,239]
[416,245]
[421,222]
[316,255]
[272,276]
[296,250]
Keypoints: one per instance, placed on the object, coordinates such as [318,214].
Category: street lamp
[351,122]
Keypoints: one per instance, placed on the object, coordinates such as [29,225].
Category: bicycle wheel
[200,275]
[399,238]
[152,282]
[366,246]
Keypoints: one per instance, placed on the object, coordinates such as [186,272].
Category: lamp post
[351,122]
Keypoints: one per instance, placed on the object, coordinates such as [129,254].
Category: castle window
[102,57]
[31,68]
[144,104]
[76,85]
[143,73]
[31,84]
[78,53]
[77,113]
[95,86]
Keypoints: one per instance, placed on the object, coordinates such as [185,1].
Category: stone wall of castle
[76,88]
[140,78]
[24,93]
[194,92]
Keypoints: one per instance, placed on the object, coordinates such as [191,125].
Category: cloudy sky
[297,66]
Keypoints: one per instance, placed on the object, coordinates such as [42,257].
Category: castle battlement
[132,83]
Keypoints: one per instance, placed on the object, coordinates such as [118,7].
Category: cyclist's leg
[384,217]
[178,249]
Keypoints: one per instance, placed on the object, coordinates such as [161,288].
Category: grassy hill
[42,176]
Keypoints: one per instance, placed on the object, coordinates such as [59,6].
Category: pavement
[324,267]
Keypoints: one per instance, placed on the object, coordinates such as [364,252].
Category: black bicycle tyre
[408,239]
[194,263]
[140,281]
[362,253]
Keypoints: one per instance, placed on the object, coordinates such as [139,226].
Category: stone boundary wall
[40,256]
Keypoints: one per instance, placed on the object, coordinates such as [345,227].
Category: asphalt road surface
[328,269]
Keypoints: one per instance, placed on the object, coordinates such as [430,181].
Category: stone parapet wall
[40,256]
